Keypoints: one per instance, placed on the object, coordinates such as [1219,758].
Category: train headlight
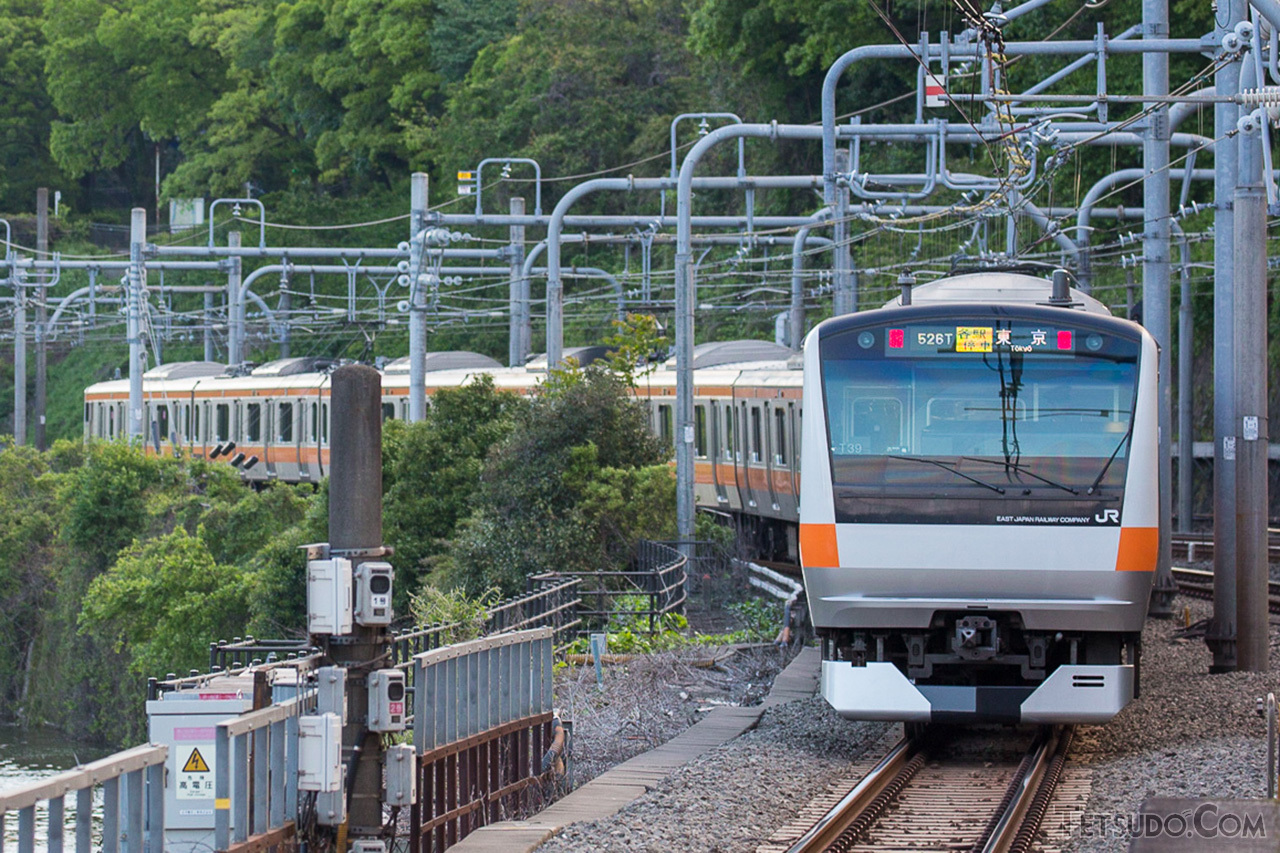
[1093,342]
[866,340]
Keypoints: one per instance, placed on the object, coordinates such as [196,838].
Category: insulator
[1268,96]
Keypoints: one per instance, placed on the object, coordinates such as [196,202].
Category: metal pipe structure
[20,360]
[796,311]
[133,301]
[1221,634]
[555,287]
[953,52]
[1185,347]
[418,187]
[1251,428]
[1155,280]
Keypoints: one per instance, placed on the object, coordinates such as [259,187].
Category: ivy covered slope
[116,565]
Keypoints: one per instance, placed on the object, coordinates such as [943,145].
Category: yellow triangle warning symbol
[195,763]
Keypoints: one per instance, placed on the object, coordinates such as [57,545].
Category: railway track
[933,793]
[1199,584]
[1196,547]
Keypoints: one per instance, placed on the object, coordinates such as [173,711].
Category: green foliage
[639,346]
[164,601]
[431,469]
[556,493]
[464,614]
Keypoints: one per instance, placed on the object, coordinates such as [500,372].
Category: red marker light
[1064,340]
[897,338]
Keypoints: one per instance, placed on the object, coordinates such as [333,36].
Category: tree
[165,601]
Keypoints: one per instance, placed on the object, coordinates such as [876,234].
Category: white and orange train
[275,419]
[978,518]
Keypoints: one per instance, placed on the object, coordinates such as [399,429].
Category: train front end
[978,518]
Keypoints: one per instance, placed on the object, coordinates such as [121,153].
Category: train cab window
[324,423]
[285,423]
[88,413]
[780,436]
[700,432]
[162,422]
[253,422]
[757,453]
[388,411]
[222,416]
[665,430]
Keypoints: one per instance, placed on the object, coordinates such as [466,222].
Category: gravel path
[1190,734]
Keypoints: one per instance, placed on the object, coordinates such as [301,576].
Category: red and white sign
[934,91]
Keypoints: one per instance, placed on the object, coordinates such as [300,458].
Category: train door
[716,450]
[793,425]
[742,413]
[769,449]
[732,452]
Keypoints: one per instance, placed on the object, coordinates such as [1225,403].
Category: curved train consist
[978,522]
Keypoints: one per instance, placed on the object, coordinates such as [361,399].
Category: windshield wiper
[945,467]
[1023,469]
[1128,434]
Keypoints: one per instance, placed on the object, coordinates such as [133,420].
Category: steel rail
[1018,823]
[892,772]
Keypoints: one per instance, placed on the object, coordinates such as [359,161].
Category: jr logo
[1108,516]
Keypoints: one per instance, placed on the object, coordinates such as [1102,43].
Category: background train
[747,420]
[978,514]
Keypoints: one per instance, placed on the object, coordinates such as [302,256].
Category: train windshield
[1009,409]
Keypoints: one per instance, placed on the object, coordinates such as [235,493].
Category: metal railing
[660,577]
[256,776]
[132,784]
[482,723]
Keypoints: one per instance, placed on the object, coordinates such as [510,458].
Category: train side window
[195,422]
[728,432]
[111,422]
[222,412]
[253,424]
[700,432]
[780,436]
[162,421]
[388,411]
[665,431]
[88,413]
[756,452]
[285,422]
[324,423]
[314,423]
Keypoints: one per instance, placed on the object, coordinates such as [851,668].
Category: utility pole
[1251,422]
[417,303]
[133,307]
[208,326]
[42,316]
[1221,636]
[355,532]
[1156,308]
[235,305]
[19,359]
[518,299]
[844,299]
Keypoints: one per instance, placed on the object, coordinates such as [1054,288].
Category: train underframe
[979,667]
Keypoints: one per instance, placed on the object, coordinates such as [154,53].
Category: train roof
[184,370]
[747,354]
[994,286]
[451,360]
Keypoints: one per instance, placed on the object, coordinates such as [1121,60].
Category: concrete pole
[1251,422]
[19,360]
[208,327]
[1185,351]
[417,303]
[42,318]
[1156,311]
[355,532]
[137,239]
[1221,635]
[518,297]
[235,305]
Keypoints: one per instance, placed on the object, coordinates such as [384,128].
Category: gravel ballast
[1191,734]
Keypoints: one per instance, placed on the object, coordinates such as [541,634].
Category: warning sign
[194,779]
[195,763]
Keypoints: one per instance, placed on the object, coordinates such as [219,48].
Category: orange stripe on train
[1138,549]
